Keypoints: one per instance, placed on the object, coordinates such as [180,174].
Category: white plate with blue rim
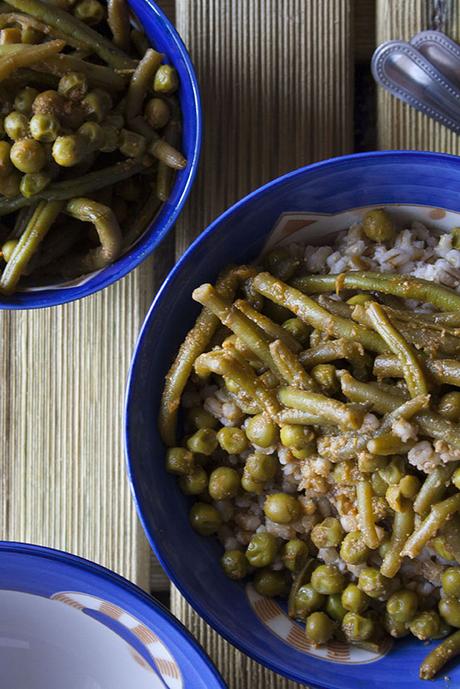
[67,622]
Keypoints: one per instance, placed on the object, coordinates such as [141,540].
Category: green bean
[436,659]
[342,447]
[224,364]
[383,402]
[289,367]
[107,228]
[413,373]
[439,513]
[450,535]
[25,21]
[309,311]
[296,416]
[139,41]
[433,489]
[172,136]
[157,113]
[329,410]
[403,526]
[444,342]
[270,328]
[10,35]
[301,577]
[31,55]
[331,351]
[70,26]
[99,76]
[388,444]
[195,343]
[39,224]
[364,494]
[140,82]
[245,329]
[404,286]
[444,371]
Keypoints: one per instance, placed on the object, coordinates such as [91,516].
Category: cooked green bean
[107,228]
[36,230]
[444,371]
[99,76]
[310,312]
[172,136]
[364,494]
[383,402]
[31,55]
[70,26]
[296,416]
[194,344]
[140,82]
[403,526]
[388,444]
[403,286]
[270,328]
[436,659]
[118,21]
[332,351]
[412,370]
[433,489]
[439,513]
[289,367]
[329,410]
[28,22]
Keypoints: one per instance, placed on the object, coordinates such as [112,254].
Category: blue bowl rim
[50,297]
[217,625]
[123,584]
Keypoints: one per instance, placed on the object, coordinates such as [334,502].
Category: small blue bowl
[166,40]
[412,184]
[67,622]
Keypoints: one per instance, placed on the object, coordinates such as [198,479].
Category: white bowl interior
[46,644]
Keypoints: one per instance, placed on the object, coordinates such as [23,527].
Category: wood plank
[276,80]
[399,125]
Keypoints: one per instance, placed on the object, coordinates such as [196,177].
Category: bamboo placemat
[276,81]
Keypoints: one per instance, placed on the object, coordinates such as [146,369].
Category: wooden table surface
[284,83]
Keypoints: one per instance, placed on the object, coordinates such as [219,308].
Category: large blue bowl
[165,38]
[191,561]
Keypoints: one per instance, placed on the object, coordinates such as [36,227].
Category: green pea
[425,625]
[378,226]
[334,607]
[281,263]
[319,628]
[353,549]
[379,485]
[298,329]
[328,579]
[353,599]
[368,463]
[73,85]
[166,80]
[224,483]
[262,549]
[269,583]
[394,471]
[8,249]
[282,508]
[90,12]
[261,430]
[307,600]
[261,468]
[357,627]
[195,482]
[294,554]
[179,460]
[442,548]
[296,437]
[235,564]
[305,452]
[24,100]
[97,104]
[327,534]
[409,486]
[232,440]
[27,155]
[450,610]
[402,605]
[374,584]
[450,580]
[326,377]
[449,406]
[456,478]
[203,442]
[16,125]
[198,417]
[205,519]
[396,629]
[250,486]
[6,166]
[157,113]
